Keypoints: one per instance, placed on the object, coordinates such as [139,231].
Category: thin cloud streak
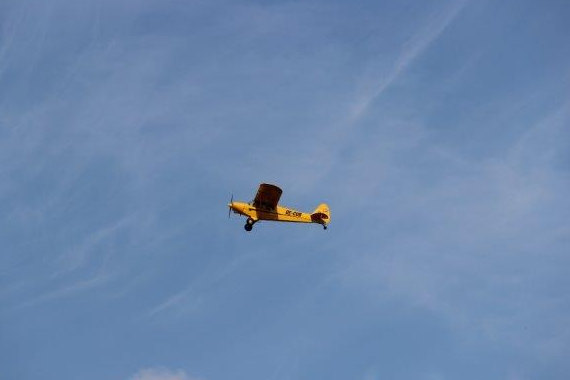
[181,300]
[101,279]
[413,48]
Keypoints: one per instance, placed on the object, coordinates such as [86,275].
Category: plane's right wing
[267,196]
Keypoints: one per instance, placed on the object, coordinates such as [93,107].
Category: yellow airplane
[265,207]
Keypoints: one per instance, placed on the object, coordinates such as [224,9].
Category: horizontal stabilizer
[321,214]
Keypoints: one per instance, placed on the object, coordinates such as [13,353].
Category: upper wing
[267,196]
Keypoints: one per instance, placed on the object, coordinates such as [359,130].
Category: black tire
[248,227]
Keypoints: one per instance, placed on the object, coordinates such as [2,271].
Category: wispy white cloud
[422,39]
[77,256]
[192,296]
[98,133]
[68,290]
[162,374]
[477,255]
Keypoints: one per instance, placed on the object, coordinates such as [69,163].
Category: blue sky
[437,131]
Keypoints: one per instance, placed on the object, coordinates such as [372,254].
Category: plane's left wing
[267,196]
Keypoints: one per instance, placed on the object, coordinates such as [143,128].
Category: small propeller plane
[265,207]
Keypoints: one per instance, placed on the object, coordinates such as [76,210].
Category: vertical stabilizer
[321,214]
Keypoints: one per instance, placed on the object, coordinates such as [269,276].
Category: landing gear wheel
[324,227]
[249,224]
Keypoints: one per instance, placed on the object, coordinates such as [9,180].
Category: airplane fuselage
[280,213]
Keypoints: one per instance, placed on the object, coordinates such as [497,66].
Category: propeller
[230,205]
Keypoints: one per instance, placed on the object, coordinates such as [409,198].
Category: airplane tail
[321,214]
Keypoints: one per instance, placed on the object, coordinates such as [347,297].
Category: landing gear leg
[249,224]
